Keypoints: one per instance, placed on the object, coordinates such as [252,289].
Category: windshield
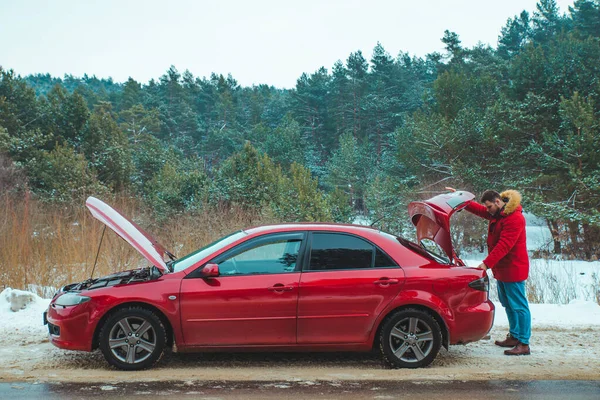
[435,251]
[424,251]
[204,252]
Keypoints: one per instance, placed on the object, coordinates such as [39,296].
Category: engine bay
[144,274]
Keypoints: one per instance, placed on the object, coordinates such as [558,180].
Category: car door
[253,301]
[346,284]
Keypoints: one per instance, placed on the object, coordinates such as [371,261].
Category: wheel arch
[421,307]
[139,304]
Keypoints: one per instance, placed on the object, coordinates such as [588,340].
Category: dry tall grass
[44,246]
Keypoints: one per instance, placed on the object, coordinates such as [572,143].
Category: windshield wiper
[170,263]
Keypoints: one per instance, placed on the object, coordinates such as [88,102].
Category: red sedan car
[292,287]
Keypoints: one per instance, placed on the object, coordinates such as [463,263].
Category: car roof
[312,226]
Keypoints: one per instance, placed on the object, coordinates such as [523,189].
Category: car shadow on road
[61,359]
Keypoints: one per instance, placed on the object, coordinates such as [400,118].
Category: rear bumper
[473,323]
[70,327]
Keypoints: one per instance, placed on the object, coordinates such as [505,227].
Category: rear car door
[253,301]
[345,285]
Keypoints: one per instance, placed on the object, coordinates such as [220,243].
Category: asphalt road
[446,390]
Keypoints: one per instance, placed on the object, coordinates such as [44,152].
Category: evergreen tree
[453,48]
[350,168]
[106,148]
[65,115]
[586,17]
[131,95]
[357,68]
[62,175]
[137,122]
[18,104]
[514,35]
[285,145]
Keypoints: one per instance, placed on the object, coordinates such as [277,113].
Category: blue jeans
[513,299]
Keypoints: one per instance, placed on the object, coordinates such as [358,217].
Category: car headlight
[71,299]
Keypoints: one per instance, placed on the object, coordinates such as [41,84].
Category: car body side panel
[240,310]
[467,313]
[341,306]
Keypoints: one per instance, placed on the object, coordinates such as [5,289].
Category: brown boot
[508,342]
[519,350]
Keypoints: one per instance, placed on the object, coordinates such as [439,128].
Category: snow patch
[576,314]
[25,325]
[554,281]
[18,299]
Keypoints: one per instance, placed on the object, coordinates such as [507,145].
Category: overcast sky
[257,41]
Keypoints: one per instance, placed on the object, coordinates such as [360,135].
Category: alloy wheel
[411,339]
[132,340]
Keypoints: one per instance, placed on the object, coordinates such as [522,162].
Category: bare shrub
[595,287]
[547,284]
[535,288]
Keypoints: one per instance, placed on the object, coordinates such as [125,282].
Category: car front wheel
[132,338]
[410,338]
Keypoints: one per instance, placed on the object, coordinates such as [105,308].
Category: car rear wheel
[410,338]
[132,338]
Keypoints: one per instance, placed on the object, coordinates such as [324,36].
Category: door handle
[279,287]
[386,281]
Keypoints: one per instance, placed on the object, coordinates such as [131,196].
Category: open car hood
[128,230]
[432,219]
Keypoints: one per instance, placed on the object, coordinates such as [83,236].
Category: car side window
[271,257]
[331,251]
[382,260]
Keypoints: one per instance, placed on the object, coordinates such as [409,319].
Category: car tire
[410,338]
[120,345]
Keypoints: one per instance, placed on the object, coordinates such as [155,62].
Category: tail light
[482,284]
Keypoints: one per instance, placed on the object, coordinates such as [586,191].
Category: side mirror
[210,271]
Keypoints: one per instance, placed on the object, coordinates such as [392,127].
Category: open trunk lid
[432,219]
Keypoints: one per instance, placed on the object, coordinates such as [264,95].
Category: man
[509,262]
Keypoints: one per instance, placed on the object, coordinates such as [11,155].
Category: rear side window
[382,260]
[336,251]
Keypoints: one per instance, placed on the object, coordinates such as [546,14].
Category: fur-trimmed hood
[512,198]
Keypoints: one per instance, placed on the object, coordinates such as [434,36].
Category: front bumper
[70,327]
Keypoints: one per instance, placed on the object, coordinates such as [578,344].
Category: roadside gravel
[557,353]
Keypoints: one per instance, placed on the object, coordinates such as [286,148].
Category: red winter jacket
[507,243]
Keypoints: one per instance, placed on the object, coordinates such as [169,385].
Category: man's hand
[450,189]
[483,267]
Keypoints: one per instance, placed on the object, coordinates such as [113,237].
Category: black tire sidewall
[384,341]
[146,314]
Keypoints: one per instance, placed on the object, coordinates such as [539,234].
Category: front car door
[253,301]
[345,286]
